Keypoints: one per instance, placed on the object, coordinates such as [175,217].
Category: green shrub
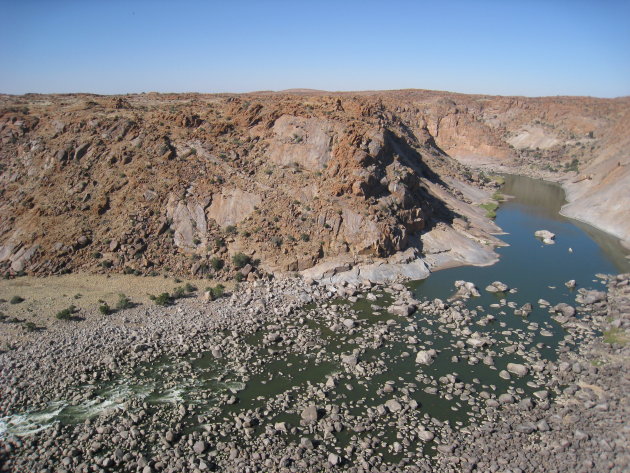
[498,197]
[230,229]
[163,299]
[305,237]
[189,287]
[97,255]
[572,166]
[123,302]
[66,314]
[107,264]
[217,291]
[105,309]
[179,292]
[490,208]
[30,326]
[239,277]
[240,260]
[216,263]
[16,300]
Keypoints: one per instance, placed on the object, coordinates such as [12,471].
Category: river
[531,269]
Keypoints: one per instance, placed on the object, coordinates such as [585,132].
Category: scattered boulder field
[282,375]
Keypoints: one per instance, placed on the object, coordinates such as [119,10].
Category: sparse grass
[490,208]
[498,179]
[498,197]
[617,336]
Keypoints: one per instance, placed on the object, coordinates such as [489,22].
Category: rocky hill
[305,181]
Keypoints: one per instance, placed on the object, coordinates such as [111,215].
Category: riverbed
[342,376]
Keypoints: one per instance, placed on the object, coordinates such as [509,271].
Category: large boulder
[425,357]
[517,369]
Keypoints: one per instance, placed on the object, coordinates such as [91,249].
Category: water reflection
[536,198]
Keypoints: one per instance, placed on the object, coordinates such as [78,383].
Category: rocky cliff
[313,182]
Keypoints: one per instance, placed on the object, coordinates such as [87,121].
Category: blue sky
[493,47]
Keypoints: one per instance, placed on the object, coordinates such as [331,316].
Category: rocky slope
[304,181]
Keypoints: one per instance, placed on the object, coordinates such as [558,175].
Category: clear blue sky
[506,47]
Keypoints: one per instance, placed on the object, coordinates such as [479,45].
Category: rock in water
[497,286]
[425,357]
[546,236]
[393,405]
[309,414]
[517,369]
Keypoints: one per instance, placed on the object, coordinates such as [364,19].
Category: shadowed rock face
[296,181]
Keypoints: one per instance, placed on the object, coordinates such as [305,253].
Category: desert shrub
[105,309]
[123,302]
[217,291]
[276,241]
[216,263]
[240,260]
[239,277]
[30,326]
[66,314]
[304,237]
[230,229]
[572,166]
[107,264]
[179,292]
[189,287]
[16,300]
[163,299]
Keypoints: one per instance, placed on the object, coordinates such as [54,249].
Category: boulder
[546,236]
[309,414]
[517,369]
[393,405]
[425,357]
